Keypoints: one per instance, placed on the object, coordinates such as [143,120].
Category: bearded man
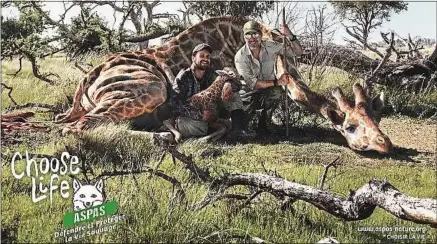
[194,79]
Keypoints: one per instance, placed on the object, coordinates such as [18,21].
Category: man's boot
[262,124]
[238,125]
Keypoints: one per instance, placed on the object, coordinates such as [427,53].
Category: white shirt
[253,69]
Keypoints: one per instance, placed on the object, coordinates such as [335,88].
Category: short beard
[255,46]
[201,67]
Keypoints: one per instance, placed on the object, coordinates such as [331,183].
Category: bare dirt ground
[407,133]
[411,133]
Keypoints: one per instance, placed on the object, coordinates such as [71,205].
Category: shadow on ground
[312,134]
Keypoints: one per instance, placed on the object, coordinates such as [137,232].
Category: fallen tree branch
[190,165]
[369,81]
[176,184]
[404,74]
[360,204]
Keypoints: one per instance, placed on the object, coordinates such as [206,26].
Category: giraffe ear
[336,117]
[378,102]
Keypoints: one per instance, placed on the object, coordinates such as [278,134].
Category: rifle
[285,68]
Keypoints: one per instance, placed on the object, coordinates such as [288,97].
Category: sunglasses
[253,35]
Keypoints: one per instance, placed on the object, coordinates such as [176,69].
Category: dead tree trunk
[358,206]
[415,75]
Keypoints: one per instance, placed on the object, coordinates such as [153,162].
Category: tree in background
[318,31]
[23,37]
[363,17]
[147,23]
[209,9]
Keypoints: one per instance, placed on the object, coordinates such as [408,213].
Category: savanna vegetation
[160,197]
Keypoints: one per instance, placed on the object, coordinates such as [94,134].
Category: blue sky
[420,18]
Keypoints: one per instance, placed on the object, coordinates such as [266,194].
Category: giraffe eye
[93,195]
[351,128]
[81,195]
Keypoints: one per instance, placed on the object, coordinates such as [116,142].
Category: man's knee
[234,103]
[191,128]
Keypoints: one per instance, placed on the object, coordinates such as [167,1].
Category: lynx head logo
[87,196]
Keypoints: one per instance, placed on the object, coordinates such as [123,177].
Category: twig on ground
[9,92]
[180,192]
[334,163]
[188,162]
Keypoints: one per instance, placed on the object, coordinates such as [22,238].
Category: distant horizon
[404,23]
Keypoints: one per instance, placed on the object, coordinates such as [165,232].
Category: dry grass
[144,199]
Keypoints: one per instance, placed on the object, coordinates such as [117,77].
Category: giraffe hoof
[203,139]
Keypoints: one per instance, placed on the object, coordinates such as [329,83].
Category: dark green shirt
[186,85]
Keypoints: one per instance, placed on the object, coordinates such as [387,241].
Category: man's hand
[227,92]
[284,79]
[209,116]
[286,31]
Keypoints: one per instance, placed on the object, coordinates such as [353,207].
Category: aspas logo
[86,196]
[92,215]
[89,202]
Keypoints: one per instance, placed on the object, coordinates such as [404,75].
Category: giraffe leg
[162,136]
[76,111]
[170,125]
[227,123]
[105,112]
[70,116]
[219,133]
[89,121]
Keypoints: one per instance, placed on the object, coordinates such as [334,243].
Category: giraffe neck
[223,34]
[312,101]
[209,95]
[299,92]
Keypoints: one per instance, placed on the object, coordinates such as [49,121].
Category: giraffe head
[358,123]
[231,82]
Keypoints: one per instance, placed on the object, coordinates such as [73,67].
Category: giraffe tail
[74,112]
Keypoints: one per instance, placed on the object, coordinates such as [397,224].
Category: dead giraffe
[130,84]
[204,105]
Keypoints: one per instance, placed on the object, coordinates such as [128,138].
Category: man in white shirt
[255,63]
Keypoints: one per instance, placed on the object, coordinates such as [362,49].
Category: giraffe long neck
[210,96]
[223,34]
[299,92]
[312,101]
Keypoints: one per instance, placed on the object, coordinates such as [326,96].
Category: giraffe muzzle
[383,144]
